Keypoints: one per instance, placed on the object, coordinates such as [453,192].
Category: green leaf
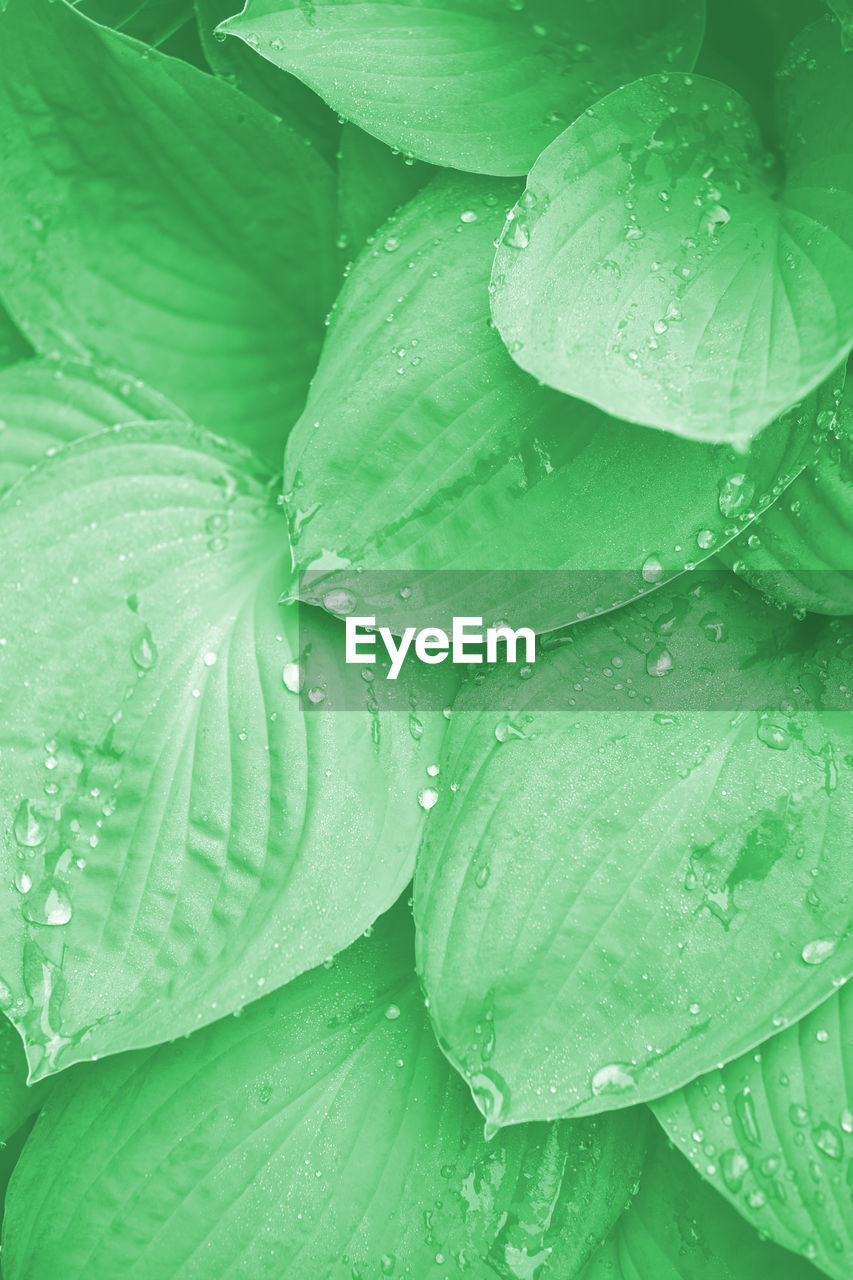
[158,221]
[373,182]
[679,1229]
[154,22]
[621,875]
[423,447]
[18,1100]
[13,344]
[281,95]
[49,403]
[482,87]
[320,1135]
[772,1132]
[190,835]
[801,551]
[664,265]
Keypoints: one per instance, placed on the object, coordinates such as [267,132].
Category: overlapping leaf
[638,863]
[320,1135]
[801,551]
[18,1100]
[468,83]
[773,1131]
[678,1229]
[472,466]
[159,221]
[282,95]
[665,265]
[48,403]
[373,182]
[179,832]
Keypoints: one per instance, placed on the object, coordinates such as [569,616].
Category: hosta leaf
[772,1132]
[665,265]
[154,22]
[18,1100]
[282,95]
[423,447]
[679,1229]
[13,344]
[180,832]
[160,222]
[373,182]
[621,870]
[468,83]
[801,551]
[48,403]
[322,1136]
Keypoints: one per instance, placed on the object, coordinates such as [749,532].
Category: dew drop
[292,677]
[49,904]
[29,829]
[734,1167]
[143,651]
[829,1141]
[392,1013]
[340,602]
[819,950]
[652,569]
[736,494]
[428,798]
[615,1078]
[774,736]
[659,661]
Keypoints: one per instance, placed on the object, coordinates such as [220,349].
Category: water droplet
[49,904]
[316,694]
[392,1013]
[292,677]
[468,216]
[615,1078]
[714,628]
[427,798]
[23,882]
[482,876]
[798,1115]
[819,950]
[341,601]
[706,539]
[736,494]
[416,728]
[505,729]
[143,651]
[659,661]
[652,569]
[517,236]
[30,831]
[734,1167]
[391,244]
[747,1116]
[774,736]
[829,1141]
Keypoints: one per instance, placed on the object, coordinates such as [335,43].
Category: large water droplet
[292,677]
[659,661]
[340,601]
[49,904]
[774,736]
[734,1167]
[143,651]
[819,950]
[736,494]
[829,1141]
[30,830]
[652,569]
[615,1078]
[748,1117]
[427,798]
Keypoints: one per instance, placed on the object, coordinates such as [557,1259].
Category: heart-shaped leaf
[158,221]
[679,1229]
[423,447]
[801,551]
[321,1135]
[616,886]
[667,266]
[180,832]
[48,403]
[463,83]
[773,1131]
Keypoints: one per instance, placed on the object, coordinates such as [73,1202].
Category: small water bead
[517,236]
[659,661]
[829,1141]
[23,881]
[316,694]
[706,539]
[468,216]
[433,770]
[482,877]
[292,677]
[29,829]
[505,730]
[392,1013]
[49,904]
[819,950]
[428,798]
[416,728]
[209,659]
[391,245]
[734,1167]
[143,651]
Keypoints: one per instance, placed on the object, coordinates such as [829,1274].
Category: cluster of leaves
[515,284]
